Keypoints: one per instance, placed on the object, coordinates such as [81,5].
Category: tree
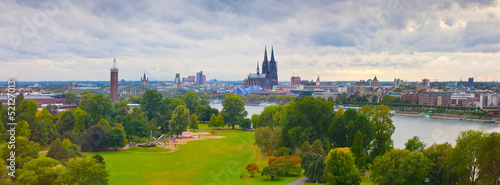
[415,144]
[43,127]
[43,171]
[71,98]
[442,170]
[194,122]
[340,168]
[99,158]
[220,121]
[317,148]
[82,120]
[264,139]
[84,170]
[192,101]
[280,167]
[270,116]
[179,121]
[233,110]
[282,152]
[489,159]
[27,111]
[52,109]
[137,126]
[151,103]
[254,119]
[252,168]
[104,123]
[313,165]
[85,101]
[95,138]
[400,167]
[4,178]
[25,150]
[271,171]
[99,107]
[358,152]
[246,123]
[306,147]
[340,111]
[465,155]
[382,122]
[64,150]
[397,89]
[213,121]
[117,138]
[23,129]
[76,137]
[66,121]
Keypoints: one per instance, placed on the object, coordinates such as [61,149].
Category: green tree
[151,103]
[25,150]
[465,155]
[271,98]
[71,98]
[313,165]
[282,152]
[220,121]
[23,129]
[4,178]
[123,109]
[66,121]
[117,138]
[213,121]
[27,111]
[99,107]
[269,116]
[271,171]
[179,121]
[442,170]
[397,89]
[64,150]
[95,138]
[489,159]
[52,109]
[84,170]
[103,122]
[306,147]
[85,101]
[317,148]
[384,129]
[340,168]
[246,123]
[194,122]
[233,110]
[415,144]
[42,171]
[192,101]
[358,152]
[82,120]
[255,118]
[263,139]
[43,127]
[99,158]
[400,167]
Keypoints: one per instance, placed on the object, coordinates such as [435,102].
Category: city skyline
[339,41]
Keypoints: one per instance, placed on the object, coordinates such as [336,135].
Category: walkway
[300,181]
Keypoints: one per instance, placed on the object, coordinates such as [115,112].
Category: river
[429,130]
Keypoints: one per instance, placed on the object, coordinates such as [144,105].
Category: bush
[282,152]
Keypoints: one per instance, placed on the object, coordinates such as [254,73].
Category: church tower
[258,68]
[273,70]
[113,85]
[265,63]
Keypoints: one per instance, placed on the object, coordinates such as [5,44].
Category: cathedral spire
[258,68]
[272,54]
[265,63]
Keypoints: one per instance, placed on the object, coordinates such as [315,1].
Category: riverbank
[445,116]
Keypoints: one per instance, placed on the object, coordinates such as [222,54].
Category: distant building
[113,85]
[122,82]
[471,81]
[295,80]
[426,83]
[374,89]
[461,98]
[398,82]
[144,80]
[177,80]
[269,76]
[317,81]
[488,100]
[188,80]
[201,79]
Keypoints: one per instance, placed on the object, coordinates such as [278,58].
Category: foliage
[25,150]
[282,152]
[400,167]
[99,107]
[313,165]
[213,121]
[75,137]
[270,116]
[66,121]
[465,155]
[53,109]
[95,138]
[192,101]
[317,148]
[280,166]
[220,121]
[64,150]
[4,178]
[99,158]
[358,152]
[233,110]
[84,170]
[23,129]
[42,171]
[267,139]
[340,168]
[27,111]
[179,121]
[151,103]
[489,159]
[442,170]
[194,122]
[117,138]
[82,120]
[415,144]
[252,168]
[71,98]
[306,147]
[383,128]
[246,123]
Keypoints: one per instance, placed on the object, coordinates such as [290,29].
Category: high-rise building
[471,81]
[113,85]
[426,83]
[201,79]
[177,80]
[295,80]
[123,82]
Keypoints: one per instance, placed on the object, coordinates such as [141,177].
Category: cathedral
[269,76]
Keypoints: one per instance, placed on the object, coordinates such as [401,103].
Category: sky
[66,40]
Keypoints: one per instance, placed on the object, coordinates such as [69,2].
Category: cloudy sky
[337,40]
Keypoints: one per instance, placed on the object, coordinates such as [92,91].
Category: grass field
[212,161]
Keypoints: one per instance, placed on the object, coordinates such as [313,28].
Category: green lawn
[212,161]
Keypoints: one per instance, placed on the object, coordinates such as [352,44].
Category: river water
[429,130]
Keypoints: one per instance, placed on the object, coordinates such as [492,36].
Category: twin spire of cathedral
[268,66]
